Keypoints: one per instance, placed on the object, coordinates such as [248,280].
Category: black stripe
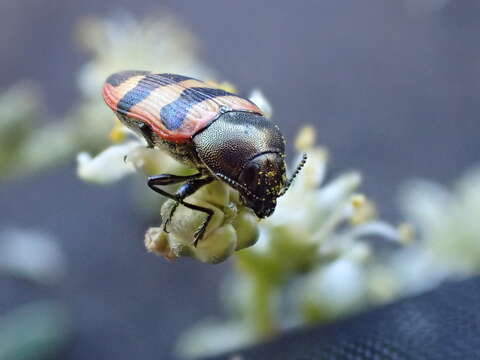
[118,78]
[176,77]
[144,88]
[174,114]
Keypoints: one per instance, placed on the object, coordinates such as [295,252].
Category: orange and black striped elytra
[224,136]
[176,107]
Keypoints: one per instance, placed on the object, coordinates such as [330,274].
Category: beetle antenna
[294,175]
[237,186]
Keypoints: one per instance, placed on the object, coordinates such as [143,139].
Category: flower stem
[261,311]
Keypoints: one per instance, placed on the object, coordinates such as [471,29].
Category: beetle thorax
[247,151]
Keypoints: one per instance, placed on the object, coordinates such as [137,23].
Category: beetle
[222,135]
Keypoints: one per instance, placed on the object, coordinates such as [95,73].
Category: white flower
[108,166]
[31,254]
[257,97]
[332,290]
[448,221]
[302,194]
[211,337]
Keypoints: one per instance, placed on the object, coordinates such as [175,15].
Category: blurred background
[391,88]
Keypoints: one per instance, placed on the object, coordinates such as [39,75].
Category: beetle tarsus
[199,233]
[169,219]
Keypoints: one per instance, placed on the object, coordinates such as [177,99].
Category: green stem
[261,311]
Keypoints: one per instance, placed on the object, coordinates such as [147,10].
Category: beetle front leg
[187,189]
[190,187]
[168,179]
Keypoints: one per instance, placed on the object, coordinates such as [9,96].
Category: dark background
[391,92]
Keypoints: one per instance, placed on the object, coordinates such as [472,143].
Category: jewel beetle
[222,135]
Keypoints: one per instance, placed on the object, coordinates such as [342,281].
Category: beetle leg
[201,230]
[169,219]
[169,179]
[147,134]
[190,187]
[185,190]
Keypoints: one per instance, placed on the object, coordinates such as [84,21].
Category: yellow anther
[224,86]
[117,134]
[363,209]
[305,138]
[358,200]
[406,233]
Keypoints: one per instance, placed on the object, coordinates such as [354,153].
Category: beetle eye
[249,174]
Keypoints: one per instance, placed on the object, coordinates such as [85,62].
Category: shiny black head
[246,151]
[264,178]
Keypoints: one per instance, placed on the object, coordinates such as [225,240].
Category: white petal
[424,201]
[416,270]
[33,255]
[108,166]
[313,172]
[338,190]
[338,287]
[212,337]
[376,228]
[257,97]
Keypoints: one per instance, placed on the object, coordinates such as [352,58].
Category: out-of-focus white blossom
[121,42]
[448,244]
[333,290]
[311,254]
[39,330]
[448,222]
[32,255]
[413,270]
[257,97]
[211,337]
[108,166]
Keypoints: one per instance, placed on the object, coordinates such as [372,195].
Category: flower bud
[232,226]
[246,226]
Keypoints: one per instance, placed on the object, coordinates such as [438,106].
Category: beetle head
[263,178]
[246,151]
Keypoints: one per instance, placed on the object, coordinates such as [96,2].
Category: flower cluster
[448,221]
[309,264]
[314,237]
[313,240]
[448,227]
